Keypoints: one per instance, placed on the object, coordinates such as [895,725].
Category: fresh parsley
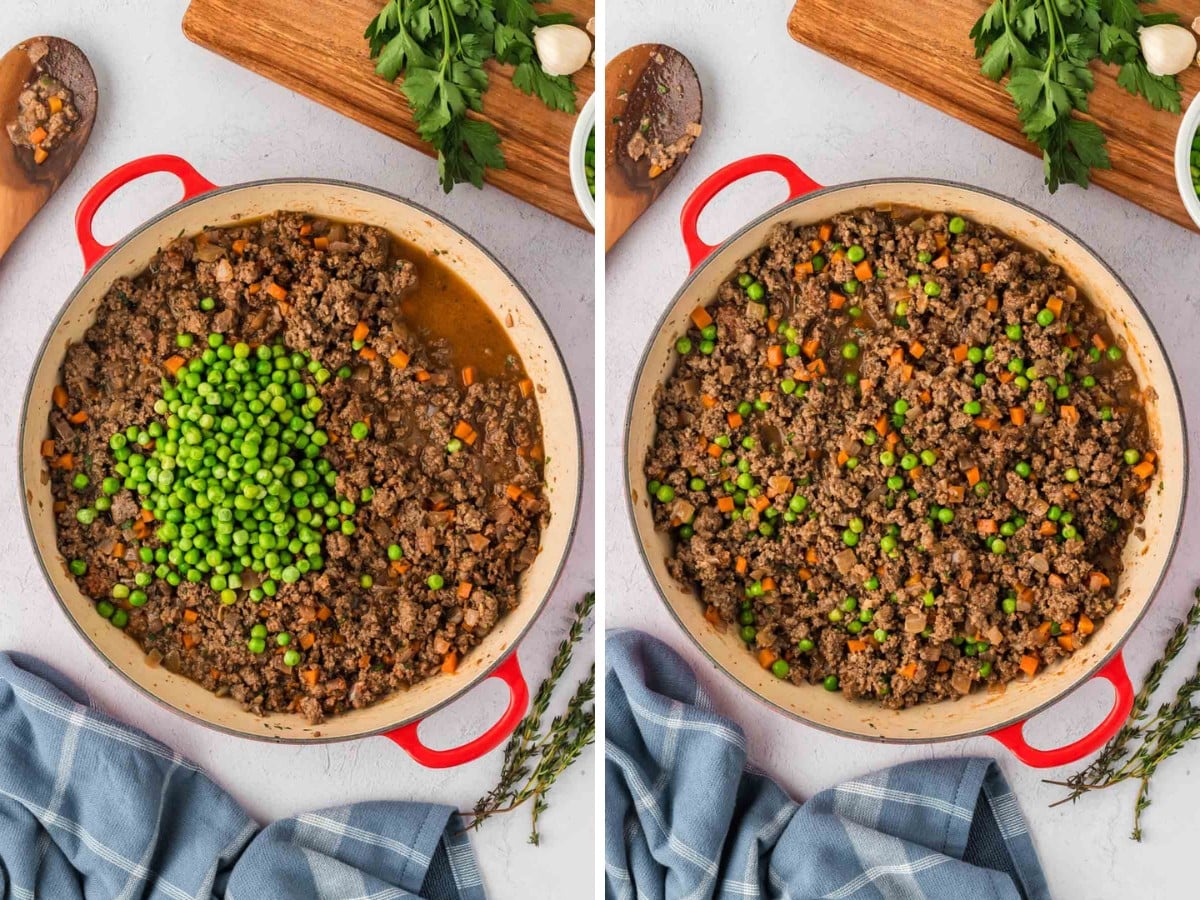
[440,47]
[1046,47]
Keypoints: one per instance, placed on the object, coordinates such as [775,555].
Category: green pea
[1014,332]
[1132,457]
[1071,475]
[291,658]
[749,633]
[957,225]
[805,645]
[975,355]
[1009,605]
[683,346]
[1023,469]
[1114,353]
[780,668]
[831,683]
[359,430]
[856,254]
[972,407]
[850,350]
[1045,318]
[756,292]
[665,494]
[933,289]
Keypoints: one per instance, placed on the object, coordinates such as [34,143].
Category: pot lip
[777,211]
[478,678]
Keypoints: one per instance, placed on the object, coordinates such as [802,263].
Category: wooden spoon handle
[193,184]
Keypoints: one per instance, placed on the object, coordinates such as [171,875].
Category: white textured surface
[765,93]
[161,94]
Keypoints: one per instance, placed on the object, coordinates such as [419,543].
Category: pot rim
[776,211]
[483,674]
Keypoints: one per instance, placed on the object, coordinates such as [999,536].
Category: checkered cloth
[685,818]
[91,808]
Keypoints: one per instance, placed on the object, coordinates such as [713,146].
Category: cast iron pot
[207,205]
[1000,714]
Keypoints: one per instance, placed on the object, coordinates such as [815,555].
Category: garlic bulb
[1169,49]
[562,49]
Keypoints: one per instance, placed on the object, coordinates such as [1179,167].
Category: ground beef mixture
[416,355]
[46,114]
[902,455]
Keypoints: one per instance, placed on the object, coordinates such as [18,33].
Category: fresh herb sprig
[1046,47]
[1146,741]
[440,47]
[533,761]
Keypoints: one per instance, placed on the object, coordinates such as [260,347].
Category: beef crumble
[902,454]
[433,358]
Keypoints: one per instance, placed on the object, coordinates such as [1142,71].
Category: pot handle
[1013,738]
[799,184]
[193,183]
[509,671]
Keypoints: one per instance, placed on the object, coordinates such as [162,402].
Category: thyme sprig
[533,761]
[1146,741]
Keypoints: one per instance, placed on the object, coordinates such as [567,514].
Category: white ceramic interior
[1183,159]
[1145,559]
[583,127]
[512,307]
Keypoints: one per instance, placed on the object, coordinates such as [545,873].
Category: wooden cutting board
[930,56]
[316,47]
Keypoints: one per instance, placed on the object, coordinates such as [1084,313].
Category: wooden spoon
[648,83]
[25,186]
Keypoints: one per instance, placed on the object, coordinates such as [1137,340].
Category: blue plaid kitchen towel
[685,818]
[91,808]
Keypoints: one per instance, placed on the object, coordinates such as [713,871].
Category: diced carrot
[190,615]
[973,476]
[986,424]
[943,666]
[955,493]
[909,671]
[190,641]
[815,245]
[906,373]
[55,104]
[768,583]
[825,232]
[863,271]
[307,640]
[740,565]
[1086,625]
[1055,305]
[305,229]
[942,262]
[468,376]
[400,566]
[986,267]
[803,268]
[464,589]
[986,526]
[276,291]
[774,356]
[1098,580]
[174,364]
[1005,377]
[1072,341]
[324,613]
[893,438]
[941,239]
[805,574]
[1066,641]
[361,331]
[959,353]
[734,419]
[1069,413]
[715,451]
[810,556]
[239,246]
[712,615]
[368,354]
[59,396]
[118,550]
[897,357]
[701,318]
[992,304]
[513,492]
[321,243]
[1029,664]
[1055,581]
[810,347]
[78,418]
[399,359]
[1099,343]
[139,530]
[817,366]
[836,300]
[66,461]
[881,425]
[760,503]
[1047,528]
[48,449]
[38,135]
[40,155]
[772,325]
[725,504]
[450,663]
[1017,414]
[254,288]
[926,396]
[766,657]
[917,349]
[1067,627]
[856,646]
[309,676]
[1144,469]
[842,457]
[463,430]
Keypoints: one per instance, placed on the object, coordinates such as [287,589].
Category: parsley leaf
[440,47]
[1046,48]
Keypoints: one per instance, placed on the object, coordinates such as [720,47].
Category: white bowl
[583,128]
[1183,159]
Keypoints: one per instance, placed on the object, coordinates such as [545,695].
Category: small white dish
[579,140]
[1183,159]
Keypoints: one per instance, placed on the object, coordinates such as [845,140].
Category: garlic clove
[562,49]
[1168,49]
